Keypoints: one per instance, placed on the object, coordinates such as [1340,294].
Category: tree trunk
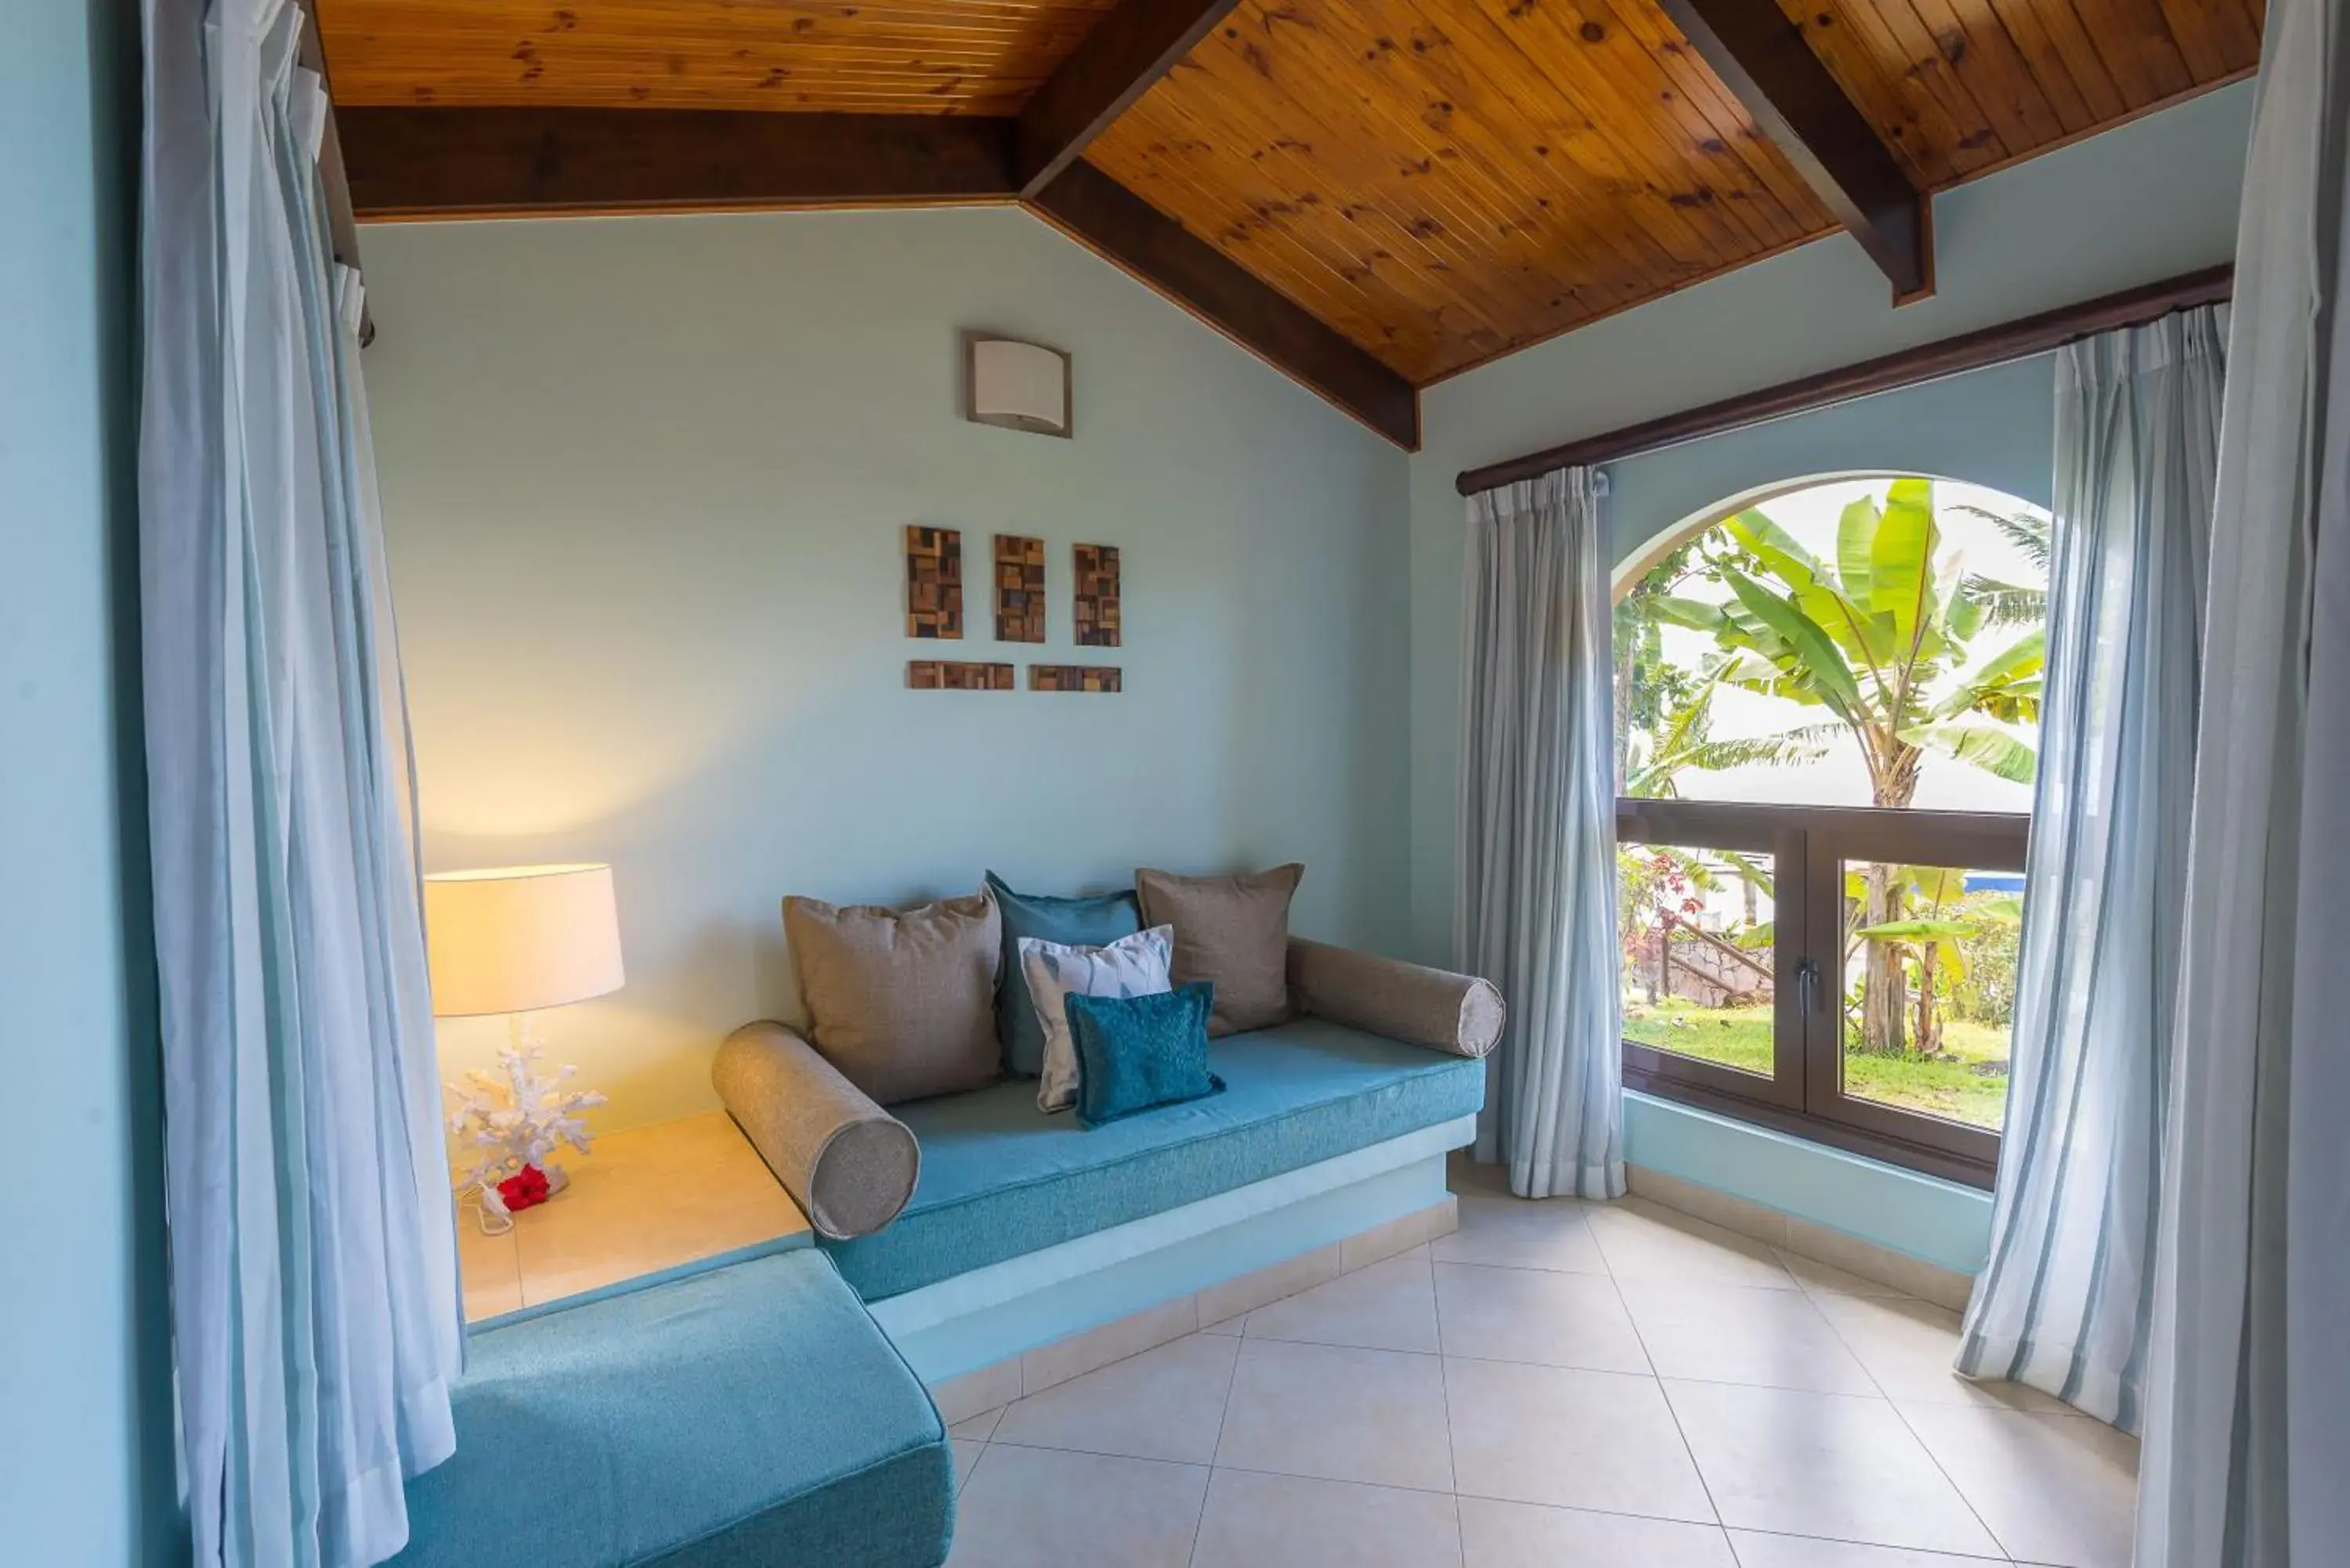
[1884,988]
[1929,1027]
[1665,955]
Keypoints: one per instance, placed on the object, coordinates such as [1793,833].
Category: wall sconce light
[1018,386]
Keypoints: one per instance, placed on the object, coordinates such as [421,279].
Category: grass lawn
[1739,1037]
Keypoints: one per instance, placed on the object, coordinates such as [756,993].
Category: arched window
[1827,713]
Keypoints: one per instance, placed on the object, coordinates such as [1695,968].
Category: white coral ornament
[514,1121]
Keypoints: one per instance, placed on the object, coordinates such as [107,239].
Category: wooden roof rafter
[1122,58]
[1761,57]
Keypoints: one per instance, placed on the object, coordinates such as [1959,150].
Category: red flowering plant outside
[1655,890]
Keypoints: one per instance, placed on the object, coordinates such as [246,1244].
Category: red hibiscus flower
[526,1188]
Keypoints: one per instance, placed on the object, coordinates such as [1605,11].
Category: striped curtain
[1536,905]
[314,1312]
[2247,1456]
[2064,1302]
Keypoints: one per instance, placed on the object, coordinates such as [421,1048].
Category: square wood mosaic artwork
[955,675]
[933,582]
[1076,677]
[1097,601]
[1019,588]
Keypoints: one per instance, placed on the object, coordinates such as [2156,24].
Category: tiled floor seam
[1872,1545]
[1652,1373]
[1947,1479]
[1933,1458]
[1214,1449]
[1915,1436]
[1444,1381]
[1662,1393]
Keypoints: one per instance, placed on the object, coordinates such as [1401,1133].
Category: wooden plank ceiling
[890,56]
[1413,186]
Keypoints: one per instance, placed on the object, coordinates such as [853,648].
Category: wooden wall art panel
[1096,611]
[870,57]
[1076,677]
[933,582]
[952,675]
[1019,588]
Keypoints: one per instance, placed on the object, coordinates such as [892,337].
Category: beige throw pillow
[1232,931]
[902,1002]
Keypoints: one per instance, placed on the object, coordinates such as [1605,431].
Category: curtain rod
[1998,345]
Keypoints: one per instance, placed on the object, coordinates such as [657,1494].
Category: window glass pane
[1696,925]
[1930,987]
[1862,642]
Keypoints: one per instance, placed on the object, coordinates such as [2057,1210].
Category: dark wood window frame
[1809,845]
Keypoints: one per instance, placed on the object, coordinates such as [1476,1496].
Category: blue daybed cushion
[1001,1179]
[750,1416]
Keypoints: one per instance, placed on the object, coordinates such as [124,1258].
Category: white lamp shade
[521,938]
[1020,386]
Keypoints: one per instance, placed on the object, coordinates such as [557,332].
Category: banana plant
[1883,638]
[1685,740]
[1927,945]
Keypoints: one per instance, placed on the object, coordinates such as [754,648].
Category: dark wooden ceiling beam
[1099,212]
[484,162]
[1761,57]
[1119,58]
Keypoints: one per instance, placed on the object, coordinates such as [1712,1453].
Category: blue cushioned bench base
[753,1417]
[1001,1179]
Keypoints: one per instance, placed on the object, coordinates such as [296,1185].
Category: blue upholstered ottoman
[751,1416]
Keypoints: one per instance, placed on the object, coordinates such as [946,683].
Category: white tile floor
[1554,1386]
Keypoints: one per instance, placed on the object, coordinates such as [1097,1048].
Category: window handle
[1807,987]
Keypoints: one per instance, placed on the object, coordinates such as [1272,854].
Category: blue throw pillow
[1138,1052]
[1089,922]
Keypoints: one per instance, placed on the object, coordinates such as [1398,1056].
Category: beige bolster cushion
[850,1165]
[1410,1002]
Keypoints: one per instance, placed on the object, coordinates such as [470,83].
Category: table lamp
[520,938]
[516,940]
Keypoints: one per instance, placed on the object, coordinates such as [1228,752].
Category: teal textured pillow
[1088,922]
[1138,1052]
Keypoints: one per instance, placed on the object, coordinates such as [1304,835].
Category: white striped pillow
[1130,966]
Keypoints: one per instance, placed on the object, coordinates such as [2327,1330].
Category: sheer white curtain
[1536,896]
[2247,1456]
[316,1315]
[2064,1302]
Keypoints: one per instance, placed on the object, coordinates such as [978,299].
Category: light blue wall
[1942,1223]
[1994,427]
[85,1397]
[645,482]
[2146,200]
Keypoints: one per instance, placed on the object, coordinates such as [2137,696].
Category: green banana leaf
[1856,529]
[1980,745]
[1775,548]
[1810,653]
[1901,557]
[1919,930]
